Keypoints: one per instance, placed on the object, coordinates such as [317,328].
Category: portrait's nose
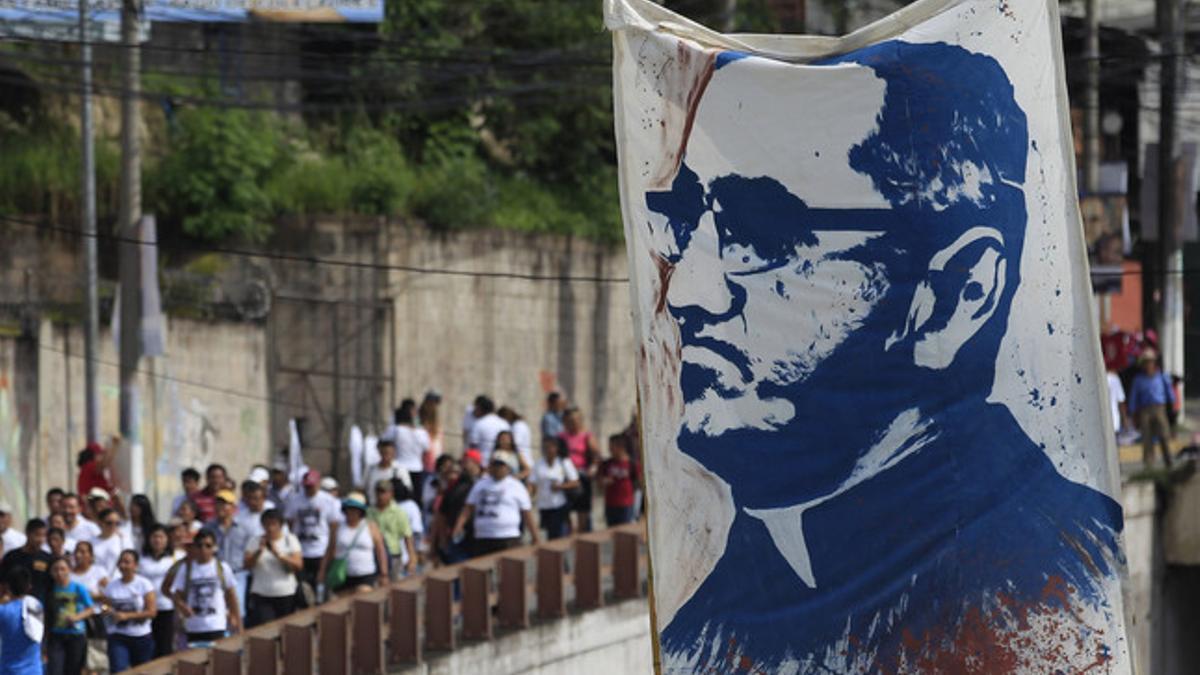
[698,281]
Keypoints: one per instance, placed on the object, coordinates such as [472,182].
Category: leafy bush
[40,170]
[311,185]
[212,179]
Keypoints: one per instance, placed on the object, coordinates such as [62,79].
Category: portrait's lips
[729,373]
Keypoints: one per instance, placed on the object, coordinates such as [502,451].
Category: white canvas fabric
[860,456]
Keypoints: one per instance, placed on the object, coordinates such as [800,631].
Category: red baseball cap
[474,455]
[312,478]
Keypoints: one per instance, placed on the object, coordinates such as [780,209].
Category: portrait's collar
[907,434]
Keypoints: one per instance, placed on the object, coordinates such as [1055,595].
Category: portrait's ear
[956,300]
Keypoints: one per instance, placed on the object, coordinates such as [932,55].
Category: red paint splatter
[665,270]
[1044,635]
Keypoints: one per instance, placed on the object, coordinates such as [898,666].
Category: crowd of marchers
[100,583]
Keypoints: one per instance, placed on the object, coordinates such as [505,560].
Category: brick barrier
[422,617]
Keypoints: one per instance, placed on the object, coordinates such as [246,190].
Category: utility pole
[91,320]
[129,221]
[1169,312]
[728,15]
[1091,101]
[1091,124]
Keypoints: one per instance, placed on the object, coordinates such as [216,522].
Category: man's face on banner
[785,269]
[816,287]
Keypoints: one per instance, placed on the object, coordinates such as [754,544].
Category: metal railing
[418,618]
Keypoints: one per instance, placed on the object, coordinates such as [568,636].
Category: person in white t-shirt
[157,558]
[205,594]
[487,426]
[468,424]
[521,433]
[412,443]
[9,537]
[388,468]
[86,572]
[553,475]
[498,503]
[314,517]
[78,527]
[108,546]
[273,559]
[129,602]
[1116,399]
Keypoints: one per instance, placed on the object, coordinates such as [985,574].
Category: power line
[314,260]
[179,380]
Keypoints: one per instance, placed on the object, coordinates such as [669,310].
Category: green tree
[212,177]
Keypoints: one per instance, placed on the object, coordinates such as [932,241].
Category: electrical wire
[315,260]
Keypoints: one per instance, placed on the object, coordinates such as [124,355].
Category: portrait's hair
[949,153]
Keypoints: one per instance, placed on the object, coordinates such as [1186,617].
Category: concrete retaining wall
[615,639]
[205,401]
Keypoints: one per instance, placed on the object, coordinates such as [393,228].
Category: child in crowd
[619,475]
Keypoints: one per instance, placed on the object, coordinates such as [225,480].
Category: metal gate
[331,368]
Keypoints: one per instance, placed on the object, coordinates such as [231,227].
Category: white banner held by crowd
[860,457]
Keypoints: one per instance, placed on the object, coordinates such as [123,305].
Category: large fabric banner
[875,425]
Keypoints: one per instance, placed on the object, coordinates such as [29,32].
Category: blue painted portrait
[838,353]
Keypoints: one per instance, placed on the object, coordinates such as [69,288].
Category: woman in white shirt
[86,572]
[129,601]
[157,558]
[106,548]
[553,476]
[273,559]
[360,544]
[94,579]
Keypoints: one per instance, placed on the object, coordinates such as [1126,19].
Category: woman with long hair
[506,441]
[189,518]
[130,603]
[429,420]
[158,555]
[141,519]
[94,579]
[584,452]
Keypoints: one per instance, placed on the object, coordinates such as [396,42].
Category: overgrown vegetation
[476,113]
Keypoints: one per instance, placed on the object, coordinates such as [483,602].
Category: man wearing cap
[314,516]
[280,488]
[1150,397]
[10,538]
[254,504]
[329,486]
[499,504]
[231,538]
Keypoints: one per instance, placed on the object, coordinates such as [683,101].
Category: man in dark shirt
[33,558]
[450,504]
